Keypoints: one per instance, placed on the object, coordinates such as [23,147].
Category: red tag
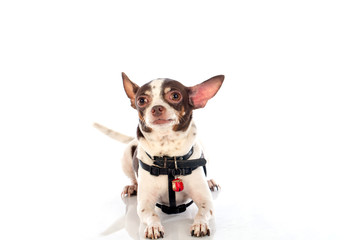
[177,185]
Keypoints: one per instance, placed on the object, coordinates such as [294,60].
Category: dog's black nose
[158,110]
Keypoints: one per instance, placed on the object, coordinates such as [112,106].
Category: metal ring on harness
[176,172]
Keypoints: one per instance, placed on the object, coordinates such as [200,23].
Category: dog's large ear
[130,89]
[201,93]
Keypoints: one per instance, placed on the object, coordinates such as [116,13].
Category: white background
[282,134]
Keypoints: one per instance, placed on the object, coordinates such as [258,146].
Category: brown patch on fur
[143,91]
[135,160]
[141,117]
[133,149]
[211,213]
[139,134]
[142,120]
[183,108]
[182,113]
[144,128]
[142,210]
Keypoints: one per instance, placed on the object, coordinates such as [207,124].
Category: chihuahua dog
[165,161]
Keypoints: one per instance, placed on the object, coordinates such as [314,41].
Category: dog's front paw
[213,185]
[154,231]
[200,229]
[129,190]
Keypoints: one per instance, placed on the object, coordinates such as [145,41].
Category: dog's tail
[115,135]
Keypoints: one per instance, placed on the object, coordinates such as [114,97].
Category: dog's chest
[165,143]
[169,144]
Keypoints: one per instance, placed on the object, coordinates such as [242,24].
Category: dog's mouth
[162,121]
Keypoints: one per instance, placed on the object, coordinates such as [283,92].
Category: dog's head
[165,104]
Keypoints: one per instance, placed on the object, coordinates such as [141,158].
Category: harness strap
[172,199]
[174,210]
[185,167]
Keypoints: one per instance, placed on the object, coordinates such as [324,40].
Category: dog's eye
[142,101]
[175,96]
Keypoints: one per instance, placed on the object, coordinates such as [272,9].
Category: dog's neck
[167,142]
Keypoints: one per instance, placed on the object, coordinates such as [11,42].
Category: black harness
[172,167]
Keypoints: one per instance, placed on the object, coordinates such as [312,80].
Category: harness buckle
[154,170]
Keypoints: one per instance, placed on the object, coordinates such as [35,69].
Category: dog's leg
[127,166]
[202,197]
[153,229]
[200,226]
[213,185]
[146,211]
[129,190]
[211,182]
